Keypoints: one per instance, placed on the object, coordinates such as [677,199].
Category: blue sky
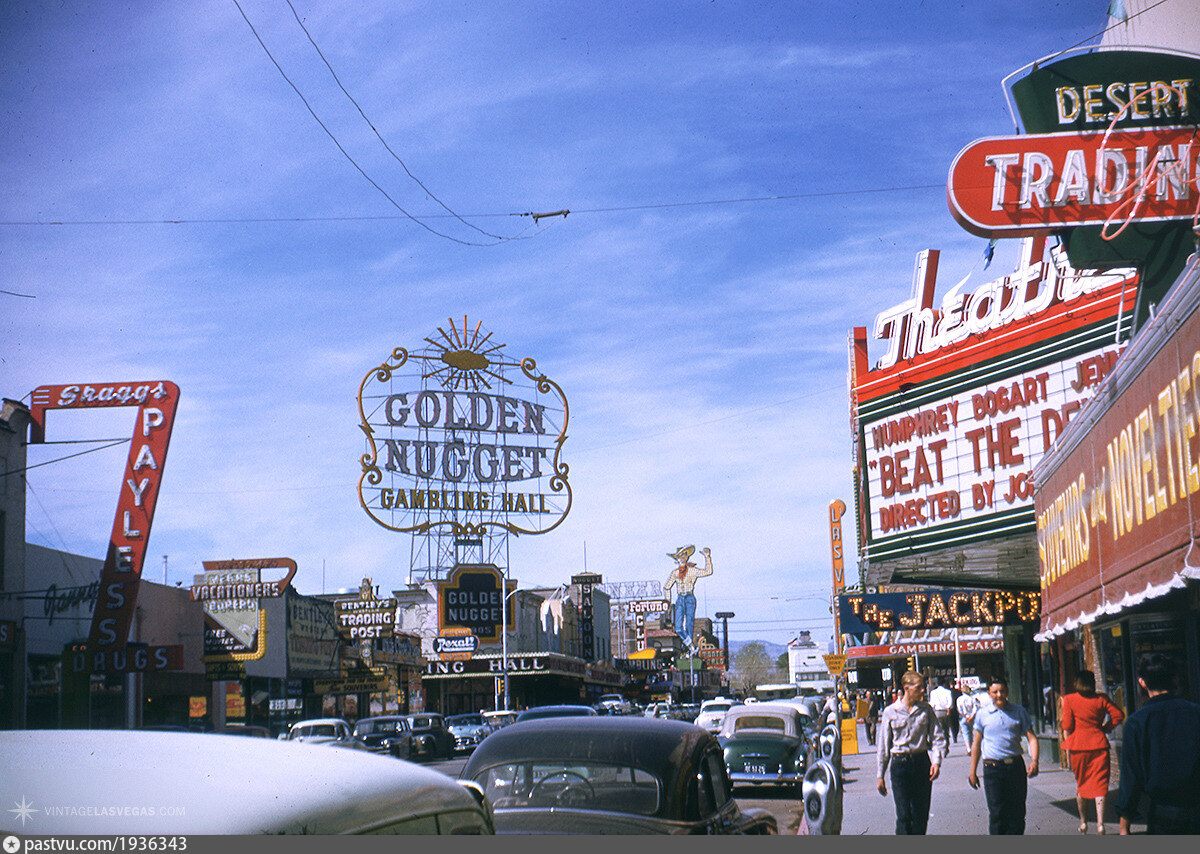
[747,182]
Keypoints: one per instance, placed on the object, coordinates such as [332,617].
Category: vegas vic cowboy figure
[684,577]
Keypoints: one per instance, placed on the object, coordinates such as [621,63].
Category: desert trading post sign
[966,398]
[459,438]
[1108,162]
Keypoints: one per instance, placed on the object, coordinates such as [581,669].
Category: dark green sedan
[766,744]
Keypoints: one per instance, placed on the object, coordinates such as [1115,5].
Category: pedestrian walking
[955,693]
[874,701]
[942,701]
[997,740]
[908,733]
[1087,718]
[968,707]
[1160,755]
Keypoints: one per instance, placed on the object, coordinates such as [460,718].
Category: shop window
[1046,668]
[1113,678]
[1165,634]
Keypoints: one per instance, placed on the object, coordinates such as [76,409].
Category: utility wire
[345,153]
[60,459]
[385,217]
[379,136]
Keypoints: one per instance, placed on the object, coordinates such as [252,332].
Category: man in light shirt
[968,707]
[908,731]
[998,731]
[941,698]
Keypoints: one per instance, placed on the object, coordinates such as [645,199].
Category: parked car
[500,718]
[766,744]
[658,710]
[165,783]
[616,704]
[810,709]
[611,774]
[468,730]
[430,738]
[388,734]
[320,731]
[565,711]
[712,714]
[243,730]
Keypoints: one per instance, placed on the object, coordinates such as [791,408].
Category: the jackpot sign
[937,608]
[120,578]
[967,398]
[462,439]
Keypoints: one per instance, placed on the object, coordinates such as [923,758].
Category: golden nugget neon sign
[460,438]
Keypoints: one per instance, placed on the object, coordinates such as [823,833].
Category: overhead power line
[386,217]
[60,459]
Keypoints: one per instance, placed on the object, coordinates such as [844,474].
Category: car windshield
[759,722]
[572,784]
[464,720]
[318,730]
[717,707]
[424,722]
[377,727]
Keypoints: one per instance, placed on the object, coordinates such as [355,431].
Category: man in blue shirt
[1160,754]
[998,731]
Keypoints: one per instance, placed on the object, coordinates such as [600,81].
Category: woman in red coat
[1087,718]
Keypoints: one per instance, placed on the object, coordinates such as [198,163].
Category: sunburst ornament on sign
[467,359]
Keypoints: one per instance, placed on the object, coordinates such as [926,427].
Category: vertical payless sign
[837,509]
[119,580]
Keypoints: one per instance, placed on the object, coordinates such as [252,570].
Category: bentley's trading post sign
[461,438]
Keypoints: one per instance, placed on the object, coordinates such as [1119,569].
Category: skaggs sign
[460,437]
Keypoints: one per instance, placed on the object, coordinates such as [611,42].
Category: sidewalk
[956,808]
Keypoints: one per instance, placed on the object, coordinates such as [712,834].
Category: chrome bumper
[775,779]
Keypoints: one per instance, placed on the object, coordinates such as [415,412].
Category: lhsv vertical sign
[119,580]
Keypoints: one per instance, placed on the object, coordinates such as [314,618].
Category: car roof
[320,722]
[662,747]
[563,710]
[789,713]
[184,783]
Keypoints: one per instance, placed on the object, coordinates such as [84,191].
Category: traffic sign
[835,663]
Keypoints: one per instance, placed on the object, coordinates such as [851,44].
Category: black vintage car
[609,774]
[386,734]
[430,738]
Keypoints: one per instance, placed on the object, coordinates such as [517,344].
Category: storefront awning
[1118,496]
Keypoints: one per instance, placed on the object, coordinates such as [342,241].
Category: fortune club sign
[460,438]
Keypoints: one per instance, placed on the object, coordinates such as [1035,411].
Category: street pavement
[956,808]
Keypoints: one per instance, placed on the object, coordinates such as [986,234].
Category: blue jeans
[685,615]
[911,790]
[1005,787]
